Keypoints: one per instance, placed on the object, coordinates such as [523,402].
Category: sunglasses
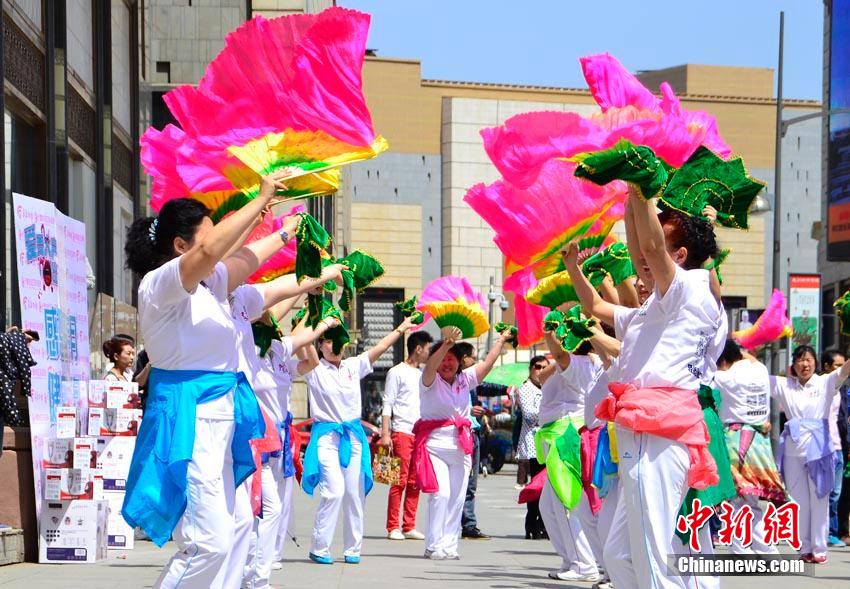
[538,367]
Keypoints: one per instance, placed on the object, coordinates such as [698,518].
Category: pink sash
[667,412]
[269,443]
[426,478]
[589,442]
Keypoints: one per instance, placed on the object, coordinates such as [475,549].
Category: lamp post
[492,296]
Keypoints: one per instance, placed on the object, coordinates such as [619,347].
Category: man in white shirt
[400,412]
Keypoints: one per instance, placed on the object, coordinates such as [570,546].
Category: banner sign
[51,264]
[804,299]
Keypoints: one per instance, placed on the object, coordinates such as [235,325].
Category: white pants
[814,510]
[758,546]
[263,546]
[445,507]
[286,524]
[590,527]
[204,534]
[339,488]
[230,575]
[706,549]
[653,475]
[606,515]
[566,534]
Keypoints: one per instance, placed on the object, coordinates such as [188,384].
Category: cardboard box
[119,534]
[107,394]
[95,422]
[62,484]
[123,396]
[66,422]
[114,454]
[58,453]
[72,531]
[120,422]
[85,453]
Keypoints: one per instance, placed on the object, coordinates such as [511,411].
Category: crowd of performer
[655,408]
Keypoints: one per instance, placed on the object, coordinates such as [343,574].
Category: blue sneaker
[835,542]
[321,559]
[352,560]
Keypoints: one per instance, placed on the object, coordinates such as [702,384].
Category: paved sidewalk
[508,560]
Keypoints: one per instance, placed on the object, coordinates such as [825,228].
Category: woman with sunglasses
[529,395]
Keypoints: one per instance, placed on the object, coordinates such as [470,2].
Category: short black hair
[464,349]
[731,352]
[416,339]
[828,357]
[693,233]
[801,351]
[534,360]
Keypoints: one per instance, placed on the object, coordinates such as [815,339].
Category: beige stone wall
[391,233]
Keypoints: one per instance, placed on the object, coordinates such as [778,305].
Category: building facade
[70,135]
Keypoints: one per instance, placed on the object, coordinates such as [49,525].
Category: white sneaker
[413,535]
[452,556]
[574,576]
[484,471]
[395,535]
[276,566]
[519,487]
[435,555]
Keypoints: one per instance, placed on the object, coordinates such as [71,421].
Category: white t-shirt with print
[273,380]
[189,331]
[564,391]
[667,340]
[444,400]
[812,400]
[744,392]
[335,392]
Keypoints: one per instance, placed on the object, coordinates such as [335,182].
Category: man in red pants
[401,411]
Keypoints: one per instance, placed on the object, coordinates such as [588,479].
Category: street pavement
[508,560]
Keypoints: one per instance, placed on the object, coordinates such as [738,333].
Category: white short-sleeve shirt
[596,395]
[812,400]
[667,340]
[564,391]
[335,392]
[744,392]
[186,331]
[189,331]
[444,400]
[273,381]
[401,397]
[284,369]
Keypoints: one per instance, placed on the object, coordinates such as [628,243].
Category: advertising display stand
[83,432]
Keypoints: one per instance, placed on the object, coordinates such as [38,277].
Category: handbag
[386,468]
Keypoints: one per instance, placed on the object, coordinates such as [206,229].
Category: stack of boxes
[85,473]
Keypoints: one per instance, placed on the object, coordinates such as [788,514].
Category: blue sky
[539,42]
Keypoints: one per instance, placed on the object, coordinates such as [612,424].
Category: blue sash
[311,476]
[156,485]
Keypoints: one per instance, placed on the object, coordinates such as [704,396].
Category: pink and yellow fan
[524,143]
[771,325]
[169,157]
[452,302]
[283,93]
[533,224]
